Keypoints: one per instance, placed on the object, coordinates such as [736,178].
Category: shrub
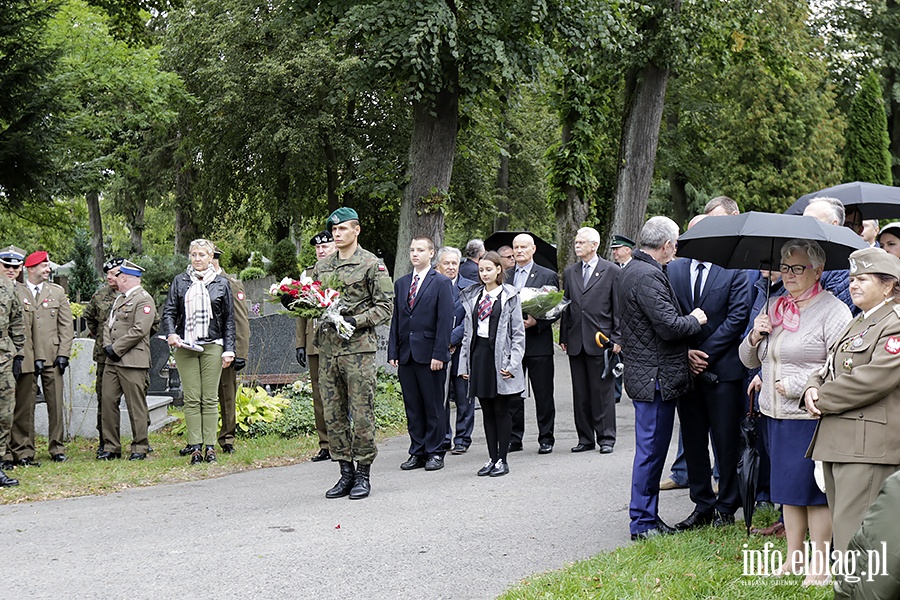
[84,279]
[159,271]
[239,259]
[251,273]
[253,407]
[284,260]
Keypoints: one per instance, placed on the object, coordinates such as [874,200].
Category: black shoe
[660,529]
[500,468]
[59,457]
[107,455]
[149,449]
[722,520]
[606,449]
[228,448]
[345,483]
[446,447]
[7,465]
[323,454]
[434,463]
[665,529]
[210,455]
[414,462]
[583,448]
[459,449]
[28,462]
[186,450]
[695,520]
[515,446]
[6,481]
[486,469]
[361,486]
[545,449]
[137,456]
[196,455]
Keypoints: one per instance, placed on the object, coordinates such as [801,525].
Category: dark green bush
[251,273]
[284,260]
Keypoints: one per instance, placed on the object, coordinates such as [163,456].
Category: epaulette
[896,309]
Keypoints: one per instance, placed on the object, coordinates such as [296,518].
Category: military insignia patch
[240,295]
[381,267]
[335,219]
[146,310]
[892,345]
[853,267]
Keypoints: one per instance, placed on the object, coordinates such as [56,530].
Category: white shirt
[704,273]
[868,313]
[484,326]
[35,289]
[421,275]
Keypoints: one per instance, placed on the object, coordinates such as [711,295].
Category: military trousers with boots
[345,483]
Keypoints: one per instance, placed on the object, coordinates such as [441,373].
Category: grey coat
[509,347]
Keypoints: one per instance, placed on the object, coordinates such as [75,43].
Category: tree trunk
[185,227]
[331,175]
[96,224]
[645,94]
[570,215]
[431,150]
[137,225]
[678,191]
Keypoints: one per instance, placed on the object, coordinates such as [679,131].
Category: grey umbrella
[874,201]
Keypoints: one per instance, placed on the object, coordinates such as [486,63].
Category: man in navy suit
[716,403]
[447,264]
[538,361]
[419,346]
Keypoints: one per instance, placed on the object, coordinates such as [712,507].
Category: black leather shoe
[361,484]
[210,455]
[722,520]
[28,462]
[186,450]
[695,520]
[515,446]
[228,448]
[500,469]
[345,483]
[196,455]
[7,465]
[583,448]
[414,462]
[486,469]
[446,447]
[545,449]
[434,463]
[660,529]
[606,449]
[59,457]
[106,455]
[137,456]
[459,449]
[665,529]
[323,454]
[6,481]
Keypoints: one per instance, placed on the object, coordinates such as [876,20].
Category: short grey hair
[727,204]
[812,249]
[448,250]
[590,233]
[836,206]
[474,248]
[657,231]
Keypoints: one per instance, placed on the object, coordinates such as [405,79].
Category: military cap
[323,237]
[341,215]
[12,257]
[36,258]
[112,264]
[874,260]
[129,268]
[217,252]
[892,228]
[620,240]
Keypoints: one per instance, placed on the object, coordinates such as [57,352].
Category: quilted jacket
[654,332]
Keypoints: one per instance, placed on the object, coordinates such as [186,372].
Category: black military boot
[6,481]
[361,486]
[342,487]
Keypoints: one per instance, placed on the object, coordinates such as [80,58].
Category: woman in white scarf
[199,319]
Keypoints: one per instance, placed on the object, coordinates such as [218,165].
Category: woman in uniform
[856,396]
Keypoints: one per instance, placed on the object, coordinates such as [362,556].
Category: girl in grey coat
[491,355]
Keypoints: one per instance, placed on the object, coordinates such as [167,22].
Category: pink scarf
[785,311]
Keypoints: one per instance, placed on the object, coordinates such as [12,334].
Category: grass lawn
[707,563]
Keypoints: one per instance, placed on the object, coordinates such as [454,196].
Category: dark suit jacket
[538,339]
[422,333]
[592,308]
[459,311]
[726,299]
[468,268]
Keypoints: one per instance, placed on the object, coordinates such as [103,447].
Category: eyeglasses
[201,242]
[795,269]
[507,257]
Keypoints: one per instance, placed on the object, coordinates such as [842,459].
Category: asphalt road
[271,533]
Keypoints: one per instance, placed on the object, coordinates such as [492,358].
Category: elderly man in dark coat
[654,335]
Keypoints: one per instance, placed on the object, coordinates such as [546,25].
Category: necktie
[520,278]
[411,298]
[698,284]
[485,307]
[36,291]
[586,274]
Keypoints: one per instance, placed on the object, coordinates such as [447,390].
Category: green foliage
[252,273]
[867,154]
[84,278]
[159,271]
[256,261]
[254,408]
[238,259]
[77,310]
[284,260]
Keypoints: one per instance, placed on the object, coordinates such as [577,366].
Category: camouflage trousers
[347,384]
[7,403]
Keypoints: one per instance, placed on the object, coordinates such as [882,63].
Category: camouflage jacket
[367,295]
[96,314]
[12,320]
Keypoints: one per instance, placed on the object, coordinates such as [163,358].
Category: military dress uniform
[228,380]
[305,339]
[12,339]
[127,331]
[49,333]
[95,314]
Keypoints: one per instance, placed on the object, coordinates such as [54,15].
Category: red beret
[36,258]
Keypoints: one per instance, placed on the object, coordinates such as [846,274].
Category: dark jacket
[221,326]
[459,313]
[421,333]
[591,309]
[654,332]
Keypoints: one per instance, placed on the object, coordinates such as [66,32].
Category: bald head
[523,249]
[696,220]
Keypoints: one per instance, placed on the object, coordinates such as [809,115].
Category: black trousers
[540,371]
[423,397]
[713,409]
[593,399]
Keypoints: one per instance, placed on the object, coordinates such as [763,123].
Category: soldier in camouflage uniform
[95,314]
[347,367]
[12,338]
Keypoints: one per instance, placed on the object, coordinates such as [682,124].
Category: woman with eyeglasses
[790,341]
[198,318]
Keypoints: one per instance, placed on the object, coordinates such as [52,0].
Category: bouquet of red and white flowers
[311,299]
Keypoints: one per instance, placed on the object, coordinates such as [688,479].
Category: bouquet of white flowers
[545,303]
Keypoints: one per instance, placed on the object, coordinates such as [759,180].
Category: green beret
[341,215]
[874,260]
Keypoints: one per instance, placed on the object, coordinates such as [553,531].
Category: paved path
[272,534]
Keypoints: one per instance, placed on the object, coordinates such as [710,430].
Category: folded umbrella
[748,463]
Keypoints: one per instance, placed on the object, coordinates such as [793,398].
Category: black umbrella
[544,256]
[874,201]
[748,463]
